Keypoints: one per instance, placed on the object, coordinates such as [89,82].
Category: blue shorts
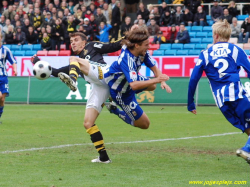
[4,85]
[238,113]
[128,103]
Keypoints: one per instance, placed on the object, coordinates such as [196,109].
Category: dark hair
[136,36]
[82,36]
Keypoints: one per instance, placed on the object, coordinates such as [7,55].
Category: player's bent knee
[142,123]
[87,124]
[145,125]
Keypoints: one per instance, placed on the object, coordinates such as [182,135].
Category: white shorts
[100,90]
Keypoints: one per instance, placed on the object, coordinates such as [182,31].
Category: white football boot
[243,154]
[68,81]
[111,106]
[97,160]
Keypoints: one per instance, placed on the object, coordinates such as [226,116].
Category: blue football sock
[1,110]
[247,146]
[121,114]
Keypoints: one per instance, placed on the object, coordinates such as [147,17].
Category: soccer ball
[42,70]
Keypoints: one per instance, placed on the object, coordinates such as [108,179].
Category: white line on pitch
[142,141]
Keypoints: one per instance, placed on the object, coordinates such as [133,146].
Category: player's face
[143,48]
[77,44]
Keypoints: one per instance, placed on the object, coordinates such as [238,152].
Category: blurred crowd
[50,22]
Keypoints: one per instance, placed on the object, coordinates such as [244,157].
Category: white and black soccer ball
[42,70]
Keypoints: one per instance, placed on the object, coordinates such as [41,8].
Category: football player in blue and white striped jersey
[221,63]
[124,81]
[5,54]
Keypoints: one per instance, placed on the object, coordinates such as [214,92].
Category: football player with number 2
[221,63]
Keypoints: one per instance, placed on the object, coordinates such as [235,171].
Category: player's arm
[151,64]
[139,85]
[12,61]
[14,69]
[34,59]
[131,74]
[194,79]
[107,48]
[243,61]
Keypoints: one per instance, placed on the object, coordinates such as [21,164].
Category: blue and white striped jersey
[221,63]
[125,70]
[5,54]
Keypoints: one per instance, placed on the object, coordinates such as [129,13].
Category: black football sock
[74,70]
[64,69]
[97,139]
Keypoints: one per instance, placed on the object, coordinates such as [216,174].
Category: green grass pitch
[169,161]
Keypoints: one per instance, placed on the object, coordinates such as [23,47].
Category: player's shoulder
[224,48]
[124,56]
[6,48]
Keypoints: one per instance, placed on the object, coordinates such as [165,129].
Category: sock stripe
[75,63]
[97,140]
[92,130]
[101,142]
[101,148]
[73,72]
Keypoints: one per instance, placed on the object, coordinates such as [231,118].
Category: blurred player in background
[5,54]
[124,80]
[221,63]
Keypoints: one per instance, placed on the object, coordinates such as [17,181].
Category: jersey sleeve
[127,67]
[107,48]
[148,61]
[10,57]
[194,79]
[243,61]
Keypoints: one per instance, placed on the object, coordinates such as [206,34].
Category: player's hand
[162,78]
[166,87]
[15,72]
[194,112]
[34,59]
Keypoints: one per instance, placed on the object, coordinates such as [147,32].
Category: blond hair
[223,29]
[231,3]
[12,29]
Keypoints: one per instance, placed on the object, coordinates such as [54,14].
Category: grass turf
[169,163]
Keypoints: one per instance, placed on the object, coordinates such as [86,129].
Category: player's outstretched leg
[120,113]
[77,65]
[74,71]
[68,81]
[131,112]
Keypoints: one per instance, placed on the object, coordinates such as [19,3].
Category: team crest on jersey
[85,52]
[220,52]
[134,113]
[133,75]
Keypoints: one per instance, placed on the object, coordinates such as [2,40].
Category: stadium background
[27,89]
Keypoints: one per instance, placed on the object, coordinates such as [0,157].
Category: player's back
[5,54]
[222,64]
